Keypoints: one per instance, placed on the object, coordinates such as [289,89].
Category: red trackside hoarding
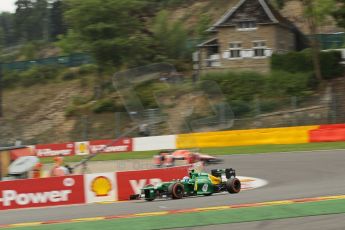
[130,182]
[111,146]
[49,150]
[43,192]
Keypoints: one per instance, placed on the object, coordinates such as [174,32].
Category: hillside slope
[293,10]
[36,114]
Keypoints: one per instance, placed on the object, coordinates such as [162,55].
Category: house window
[235,50]
[259,48]
[246,25]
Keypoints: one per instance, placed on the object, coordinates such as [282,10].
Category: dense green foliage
[339,13]
[37,74]
[33,20]
[246,90]
[170,37]
[110,29]
[294,62]
[278,3]
[104,105]
[116,33]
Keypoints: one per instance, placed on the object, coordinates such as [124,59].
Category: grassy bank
[214,151]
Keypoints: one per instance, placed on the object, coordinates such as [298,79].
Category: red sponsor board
[49,150]
[42,192]
[21,152]
[327,135]
[111,146]
[129,183]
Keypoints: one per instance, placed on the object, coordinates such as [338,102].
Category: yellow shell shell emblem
[82,148]
[101,186]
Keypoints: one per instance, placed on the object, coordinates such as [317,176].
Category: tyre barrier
[328,133]
[288,135]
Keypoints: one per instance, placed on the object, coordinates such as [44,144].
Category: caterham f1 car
[195,184]
[167,158]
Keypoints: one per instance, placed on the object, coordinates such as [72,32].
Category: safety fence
[82,189]
[182,120]
[72,60]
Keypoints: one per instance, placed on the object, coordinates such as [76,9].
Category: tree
[57,25]
[23,18]
[316,11]
[110,29]
[7,26]
[70,42]
[31,19]
[170,37]
[339,13]
[278,3]
[40,20]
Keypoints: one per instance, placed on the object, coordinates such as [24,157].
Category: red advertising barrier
[81,189]
[328,133]
[49,150]
[42,192]
[129,183]
[21,152]
[333,126]
[84,147]
[111,146]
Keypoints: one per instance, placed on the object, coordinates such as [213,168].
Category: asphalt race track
[290,175]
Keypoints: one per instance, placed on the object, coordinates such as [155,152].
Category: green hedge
[238,85]
[242,88]
[32,76]
[295,62]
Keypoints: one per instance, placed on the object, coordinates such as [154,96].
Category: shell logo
[101,186]
[82,148]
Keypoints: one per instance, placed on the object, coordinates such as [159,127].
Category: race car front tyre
[148,195]
[233,185]
[176,190]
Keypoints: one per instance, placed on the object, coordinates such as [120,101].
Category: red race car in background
[167,158]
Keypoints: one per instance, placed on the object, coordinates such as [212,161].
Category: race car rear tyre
[176,190]
[233,185]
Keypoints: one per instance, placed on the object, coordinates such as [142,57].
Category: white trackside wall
[154,143]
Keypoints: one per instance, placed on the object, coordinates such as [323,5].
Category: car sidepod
[203,186]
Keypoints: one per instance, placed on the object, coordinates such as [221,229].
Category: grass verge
[205,218]
[214,151]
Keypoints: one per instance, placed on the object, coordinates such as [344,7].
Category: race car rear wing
[229,172]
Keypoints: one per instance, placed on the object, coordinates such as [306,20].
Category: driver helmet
[186,179]
[191,171]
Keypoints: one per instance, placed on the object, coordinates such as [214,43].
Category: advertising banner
[111,146]
[43,192]
[82,148]
[130,182]
[49,150]
[100,187]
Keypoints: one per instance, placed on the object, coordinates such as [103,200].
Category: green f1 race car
[197,183]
